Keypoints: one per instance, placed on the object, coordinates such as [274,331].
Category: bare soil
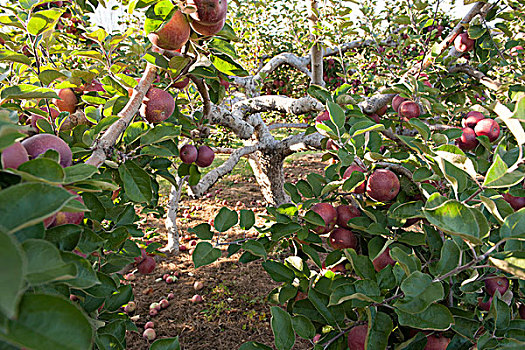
[234,309]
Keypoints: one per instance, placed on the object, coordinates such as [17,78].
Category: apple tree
[413,237]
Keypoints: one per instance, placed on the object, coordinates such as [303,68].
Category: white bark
[483,79]
[171,218]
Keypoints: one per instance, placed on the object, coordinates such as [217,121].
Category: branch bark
[104,145]
[171,218]
[483,79]
[316,51]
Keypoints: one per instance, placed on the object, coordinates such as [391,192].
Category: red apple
[436,343]
[149,334]
[515,202]
[38,144]
[516,50]
[496,283]
[188,154]
[341,238]
[382,260]
[196,299]
[345,213]
[209,11]
[471,119]
[487,127]
[408,110]
[173,34]
[205,156]
[149,325]
[463,43]
[147,265]
[329,215]
[396,102]
[13,156]
[182,83]
[348,172]
[357,337]
[383,185]
[468,140]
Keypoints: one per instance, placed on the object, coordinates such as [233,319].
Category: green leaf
[64,237]
[166,344]
[380,326]
[247,219]
[476,31]
[514,225]
[278,271]
[435,317]
[41,21]
[225,219]
[137,182]
[121,297]
[498,177]
[11,56]
[254,247]
[27,91]
[79,172]
[11,277]
[282,328]
[44,263]
[203,231]
[49,75]
[337,114]
[205,254]
[42,168]
[86,276]
[160,133]
[26,204]
[319,93]
[449,259]
[361,264]
[456,218]
[303,327]
[254,346]
[49,322]
[420,292]
[320,302]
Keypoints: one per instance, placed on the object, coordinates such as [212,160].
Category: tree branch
[107,141]
[171,218]
[483,79]
[214,175]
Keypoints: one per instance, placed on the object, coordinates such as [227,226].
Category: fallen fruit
[164,303]
[198,285]
[196,299]
[149,334]
[149,325]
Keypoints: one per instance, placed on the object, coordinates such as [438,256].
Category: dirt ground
[234,309]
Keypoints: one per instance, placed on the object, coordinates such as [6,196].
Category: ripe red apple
[208,30]
[182,83]
[131,307]
[198,285]
[322,116]
[67,101]
[341,238]
[147,265]
[436,343]
[357,337]
[408,110]
[224,82]
[158,105]
[164,303]
[348,172]
[471,119]
[154,306]
[374,117]
[149,334]
[463,43]
[515,202]
[174,34]
[149,325]
[171,296]
[468,140]
[495,283]
[196,299]
[488,127]
[382,260]
[381,111]
[383,185]
[13,156]
[63,218]
[396,102]
[515,51]
[153,312]
[170,279]
[38,144]
[188,154]
[205,156]
[345,213]
[485,306]
[209,12]
[329,215]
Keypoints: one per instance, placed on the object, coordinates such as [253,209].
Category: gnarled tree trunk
[267,166]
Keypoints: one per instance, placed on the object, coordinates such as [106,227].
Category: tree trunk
[269,173]
[316,52]
[171,219]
